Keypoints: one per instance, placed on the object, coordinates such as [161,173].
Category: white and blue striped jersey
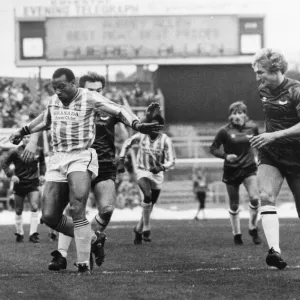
[151,153]
[73,126]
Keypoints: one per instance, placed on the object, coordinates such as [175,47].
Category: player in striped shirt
[71,115]
[155,156]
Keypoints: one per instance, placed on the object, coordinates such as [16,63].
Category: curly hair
[271,60]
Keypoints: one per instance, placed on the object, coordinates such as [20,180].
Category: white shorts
[61,164]
[155,179]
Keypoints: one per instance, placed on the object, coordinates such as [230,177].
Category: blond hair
[271,60]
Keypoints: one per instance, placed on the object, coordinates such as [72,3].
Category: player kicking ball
[155,156]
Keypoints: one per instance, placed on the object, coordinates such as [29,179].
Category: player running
[26,178]
[239,167]
[279,146]
[70,115]
[155,156]
[103,186]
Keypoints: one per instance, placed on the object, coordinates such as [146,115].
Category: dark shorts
[105,172]
[286,160]
[236,176]
[201,196]
[24,187]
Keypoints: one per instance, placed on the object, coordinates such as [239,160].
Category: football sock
[139,225]
[147,208]
[64,242]
[270,225]
[235,221]
[98,224]
[34,221]
[83,236]
[65,226]
[253,210]
[19,224]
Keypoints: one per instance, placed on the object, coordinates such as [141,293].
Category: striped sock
[83,237]
[65,226]
[270,225]
[253,210]
[235,221]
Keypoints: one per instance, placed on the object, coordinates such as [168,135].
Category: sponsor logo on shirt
[67,115]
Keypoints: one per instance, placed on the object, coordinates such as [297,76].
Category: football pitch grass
[185,260]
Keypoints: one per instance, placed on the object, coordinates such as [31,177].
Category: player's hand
[16,137]
[152,111]
[231,157]
[263,139]
[121,165]
[157,169]
[147,128]
[42,180]
[28,154]
[15,179]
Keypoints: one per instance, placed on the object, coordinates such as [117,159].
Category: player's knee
[106,213]
[148,197]
[266,198]
[49,220]
[254,202]
[234,207]
[18,211]
[76,209]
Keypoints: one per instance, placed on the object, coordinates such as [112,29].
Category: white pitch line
[149,271]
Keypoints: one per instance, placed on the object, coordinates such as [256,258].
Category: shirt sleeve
[215,148]
[169,154]
[295,96]
[110,107]
[128,143]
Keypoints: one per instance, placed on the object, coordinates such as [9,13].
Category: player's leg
[54,200]
[105,195]
[19,205]
[59,260]
[145,186]
[234,199]
[202,199]
[198,196]
[79,188]
[293,181]
[34,197]
[270,180]
[251,186]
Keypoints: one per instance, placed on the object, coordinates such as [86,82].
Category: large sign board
[120,38]
[95,32]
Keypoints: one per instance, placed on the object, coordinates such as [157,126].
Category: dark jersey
[281,107]
[235,140]
[104,142]
[24,171]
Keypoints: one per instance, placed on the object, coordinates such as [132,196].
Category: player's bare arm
[40,123]
[126,146]
[127,117]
